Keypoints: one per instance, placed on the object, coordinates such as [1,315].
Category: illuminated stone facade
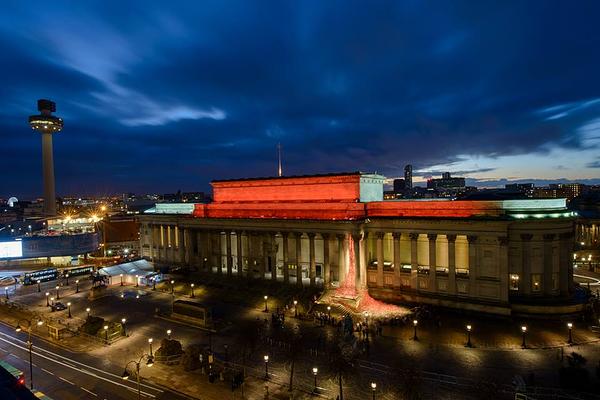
[492,256]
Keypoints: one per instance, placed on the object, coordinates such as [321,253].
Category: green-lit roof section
[172,208]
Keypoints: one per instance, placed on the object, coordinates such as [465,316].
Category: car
[7,280]
[58,306]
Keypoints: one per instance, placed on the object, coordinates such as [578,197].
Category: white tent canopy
[141,268]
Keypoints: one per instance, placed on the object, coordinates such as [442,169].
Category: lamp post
[150,343]
[47,302]
[329,311]
[29,345]
[169,334]
[137,281]
[52,303]
[192,286]
[69,307]
[172,287]
[266,305]
[88,311]
[315,370]
[266,358]
[523,332]
[295,308]
[67,276]
[6,292]
[121,275]
[57,292]
[39,286]
[123,320]
[373,389]
[570,326]
[415,323]
[126,375]
[469,336]
[77,286]
[154,283]
[106,333]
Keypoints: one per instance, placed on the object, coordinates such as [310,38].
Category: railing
[168,360]
[112,337]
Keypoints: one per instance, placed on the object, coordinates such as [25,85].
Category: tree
[294,348]
[342,357]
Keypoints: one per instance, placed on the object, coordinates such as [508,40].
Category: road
[59,375]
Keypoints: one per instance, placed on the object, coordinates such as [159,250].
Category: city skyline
[156,99]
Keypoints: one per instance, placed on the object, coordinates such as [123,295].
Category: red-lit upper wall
[350,210]
[334,188]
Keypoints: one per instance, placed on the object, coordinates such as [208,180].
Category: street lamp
[295,308]
[315,370]
[523,331]
[39,287]
[266,358]
[77,286]
[47,303]
[329,311]
[570,326]
[67,276]
[106,333]
[266,305]
[88,311]
[373,389]
[150,343]
[52,302]
[126,374]
[192,286]
[69,307]
[57,293]
[137,281]
[469,336]
[169,334]
[415,322]
[6,292]
[123,320]
[121,275]
[29,345]
[154,283]
[173,287]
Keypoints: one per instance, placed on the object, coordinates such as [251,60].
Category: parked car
[58,306]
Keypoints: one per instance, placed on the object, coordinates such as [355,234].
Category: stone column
[311,256]
[246,259]
[503,267]
[380,258]
[432,262]
[187,242]
[326,265]
[273,255]
[219,252]
[473,258]
[414,262]
[286,268]
[298,259]
[397,266]
[548,264]
[451,264]
[341,258]
[240,257]
[180,245]
[566,261]
[229,253]
[359,264]
[267,249]
[526,254]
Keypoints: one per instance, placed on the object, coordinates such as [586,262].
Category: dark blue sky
[160,96]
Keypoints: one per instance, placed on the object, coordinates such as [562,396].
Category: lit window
[536,282]
[514,281]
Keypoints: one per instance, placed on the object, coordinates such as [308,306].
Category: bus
[77,271]
[43,275]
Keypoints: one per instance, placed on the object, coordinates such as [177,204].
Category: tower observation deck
[47,124]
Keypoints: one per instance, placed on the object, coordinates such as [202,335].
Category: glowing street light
[67,276]
[570,326]
[415,323]
[266,305]
[173,287]
[88,311]
[77,286]
[329,311]
[57,292]
[169,334]
[106,333]
[315,370]
[469,336]
[123,320]
[39,287]
[69,307]
[192,286]
[47,303]
[266,358]
[295,308]
[523,331]
[373,389]
[150,340]
[125,376]
[30,327]
[121,275]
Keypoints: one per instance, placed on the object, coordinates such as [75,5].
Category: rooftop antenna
[279,169]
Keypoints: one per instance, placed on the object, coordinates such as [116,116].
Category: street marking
[15,356]
[46,371]
[66,380]
[75,368]
[90,392]
[1,349]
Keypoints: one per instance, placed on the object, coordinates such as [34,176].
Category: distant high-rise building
[447,182]
[408,177]
[399,185]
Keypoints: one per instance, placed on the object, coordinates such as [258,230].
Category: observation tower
[47,125]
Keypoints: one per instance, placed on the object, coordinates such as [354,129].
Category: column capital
[325,236]
[357,236]
[471,238]
[503,240]
[379,235]
[526,237]
[396,235]
[451,238]
[432,236]
[284,234]
[413,236]
[549,237]
[340,236]
[311,235]
[297,234]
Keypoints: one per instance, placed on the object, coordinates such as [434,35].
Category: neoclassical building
[500,256]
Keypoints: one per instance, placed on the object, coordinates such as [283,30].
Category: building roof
[296,176]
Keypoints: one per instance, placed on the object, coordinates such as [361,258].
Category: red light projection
[434,208]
